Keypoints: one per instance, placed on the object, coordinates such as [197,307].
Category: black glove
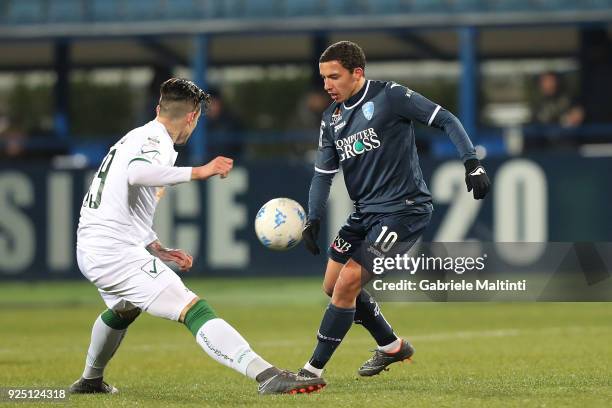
[476,179]
[310,235]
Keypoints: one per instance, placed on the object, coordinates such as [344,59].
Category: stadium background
[75,75]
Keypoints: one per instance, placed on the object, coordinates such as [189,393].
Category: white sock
[225,345]
[391,347]
[257,366]
[317,371]
[104,342]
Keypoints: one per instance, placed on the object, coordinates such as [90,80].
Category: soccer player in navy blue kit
[368,131]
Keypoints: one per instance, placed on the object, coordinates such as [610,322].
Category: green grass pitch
[468,354]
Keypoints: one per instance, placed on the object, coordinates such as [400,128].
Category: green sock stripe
[114,321]
[199,314]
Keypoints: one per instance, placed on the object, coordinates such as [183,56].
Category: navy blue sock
[334,326]
[368,314]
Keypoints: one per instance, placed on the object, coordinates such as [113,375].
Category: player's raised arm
[414,106]
[156,175]
[326,166]
[142,173]
[218,166]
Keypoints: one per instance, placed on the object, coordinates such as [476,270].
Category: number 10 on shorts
[386,242]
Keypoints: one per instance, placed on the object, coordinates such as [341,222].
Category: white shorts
[132,278]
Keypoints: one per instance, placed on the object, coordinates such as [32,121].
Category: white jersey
[114,213]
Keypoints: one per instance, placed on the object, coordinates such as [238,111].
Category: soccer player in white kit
[118,251]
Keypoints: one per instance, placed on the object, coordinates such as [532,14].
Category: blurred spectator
[554,106]
[305,122]
[309,110]
[12,139]
[555,118]
[224,128]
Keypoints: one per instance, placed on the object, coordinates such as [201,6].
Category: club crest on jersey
[336,117]
[368,110]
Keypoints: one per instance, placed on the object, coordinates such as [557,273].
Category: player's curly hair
[349,54]
[182,90]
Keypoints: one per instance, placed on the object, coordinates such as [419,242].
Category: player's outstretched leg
[335,324]
[337,319]
[382,359]
[390,348]
[367,313]
[226,346]
[106,335]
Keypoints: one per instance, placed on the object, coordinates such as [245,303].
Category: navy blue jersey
[371,137]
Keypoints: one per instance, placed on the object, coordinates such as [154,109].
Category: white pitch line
[309,340]
[448,336]
[425,337]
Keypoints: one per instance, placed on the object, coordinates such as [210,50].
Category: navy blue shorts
[365,236]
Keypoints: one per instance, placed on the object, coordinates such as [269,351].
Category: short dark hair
[186,93]
[349,54]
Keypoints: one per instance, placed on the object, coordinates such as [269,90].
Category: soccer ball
[279,223]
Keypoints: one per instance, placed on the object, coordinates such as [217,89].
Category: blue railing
[440,146]
[16,12]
